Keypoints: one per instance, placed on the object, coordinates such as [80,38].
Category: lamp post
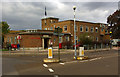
[74,8]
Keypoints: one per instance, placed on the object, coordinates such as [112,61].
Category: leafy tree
[114,22]
[4,28]
[85,39]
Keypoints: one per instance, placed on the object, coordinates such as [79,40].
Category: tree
[114,22]
[85,39]
[4,28]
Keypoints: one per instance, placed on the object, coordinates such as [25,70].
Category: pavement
[102,62]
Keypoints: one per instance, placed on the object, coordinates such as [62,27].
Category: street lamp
[74,8]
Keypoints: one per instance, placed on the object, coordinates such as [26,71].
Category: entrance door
[46,40]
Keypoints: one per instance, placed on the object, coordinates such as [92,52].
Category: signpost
[58,31]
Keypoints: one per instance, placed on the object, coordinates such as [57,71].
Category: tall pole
[74,8]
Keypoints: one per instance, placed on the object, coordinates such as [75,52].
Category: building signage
[35,38]
[50,52]
[45,35]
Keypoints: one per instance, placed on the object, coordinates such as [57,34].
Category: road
[99,63]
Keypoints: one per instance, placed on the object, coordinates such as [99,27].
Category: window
[45,29]
[75,28]
[15,40]
[11,40]
[65,28]
[96,38]
[67,38]
[102,29]
[51,28]
[8,39]
[92,29]
[54,40]
[60,39]
[54,26]
[96,29]
[81,28]
[50,21]
[86,29]
[45,22]
[106,31]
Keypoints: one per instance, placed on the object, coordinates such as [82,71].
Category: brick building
[98,31]
[36,38]
[43,38]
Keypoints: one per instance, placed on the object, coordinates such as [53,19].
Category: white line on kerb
[84,61]
[62,63]
[45,65]
[95,59]
[51,70]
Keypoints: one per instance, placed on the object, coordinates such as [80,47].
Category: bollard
[101,46]
[9,51]
[23,50]
[38,50]
[88,47]
[95,47]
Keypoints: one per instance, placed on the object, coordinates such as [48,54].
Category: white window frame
[64,28]
[96,28]
[80,28]
[87,28]
[92,28]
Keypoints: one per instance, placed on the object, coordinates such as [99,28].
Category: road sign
[18,37]
[81,51]
[50,52]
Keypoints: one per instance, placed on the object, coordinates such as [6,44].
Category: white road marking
[45,65]
[62,63]
[51,70]
[95,59]
[72,62]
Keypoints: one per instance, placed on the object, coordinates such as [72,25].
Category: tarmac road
[100,63]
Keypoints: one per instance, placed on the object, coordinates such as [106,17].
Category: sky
[21,15]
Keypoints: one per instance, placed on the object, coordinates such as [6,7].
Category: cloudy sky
[27,15]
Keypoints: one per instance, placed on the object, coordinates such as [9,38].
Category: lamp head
[74,7]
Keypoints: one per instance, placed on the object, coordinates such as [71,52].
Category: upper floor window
[81,28]
[92,29]
[75,27]
[65,28]
[45,22]
[87,28]
[51,21]
[96,29]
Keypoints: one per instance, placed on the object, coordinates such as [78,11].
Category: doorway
[46,41]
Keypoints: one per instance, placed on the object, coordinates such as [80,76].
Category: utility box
[50,52]
[81,51]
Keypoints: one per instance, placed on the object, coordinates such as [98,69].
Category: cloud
[27,15]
